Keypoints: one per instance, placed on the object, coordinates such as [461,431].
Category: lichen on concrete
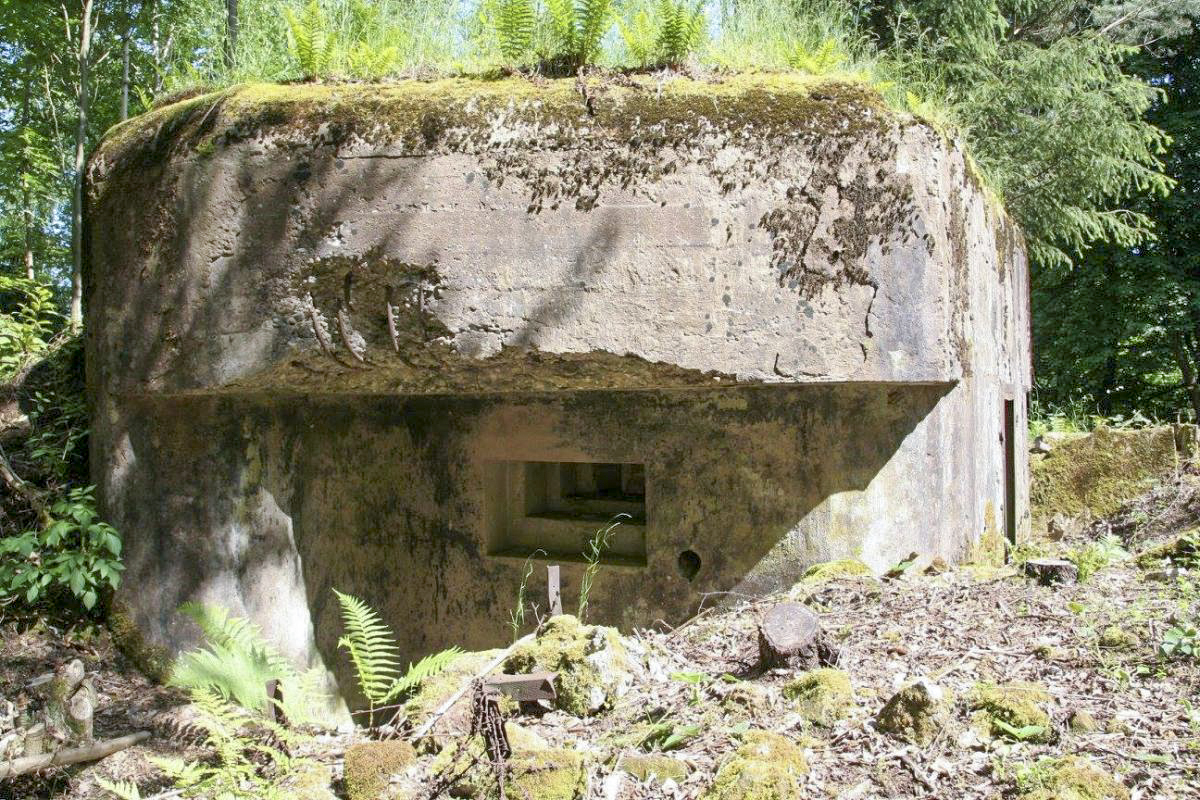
[767,766]
[822,696]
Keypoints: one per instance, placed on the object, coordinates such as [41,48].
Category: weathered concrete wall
[317,313]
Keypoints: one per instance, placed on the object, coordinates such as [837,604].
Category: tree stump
[790,636]
[1048,571]
[70,704]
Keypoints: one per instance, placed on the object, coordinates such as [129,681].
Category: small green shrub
[73,551]
[514,22]
[575,33]
[25,330]
[1095,556]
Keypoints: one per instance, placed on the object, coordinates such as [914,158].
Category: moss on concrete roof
[420,114]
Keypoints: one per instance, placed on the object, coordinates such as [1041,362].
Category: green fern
[682,29]
[123,790]
[309,40]
[514,22]
[250,755]
[640,37]
[236,663]
[375,655]
[825,59]
[577,30]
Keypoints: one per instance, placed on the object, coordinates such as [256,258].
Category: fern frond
[373,650]
[639,37]
[417,673]
[123,790]
[514,21]
[595,18]
[563,30]
[309,39]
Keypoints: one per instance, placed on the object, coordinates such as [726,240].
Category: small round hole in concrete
[689,564]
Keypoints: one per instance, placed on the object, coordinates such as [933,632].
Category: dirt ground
[956,627]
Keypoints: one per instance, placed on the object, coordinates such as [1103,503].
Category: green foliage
[666,736]
[575,30]
[1181,641]
[595,549]
[514,22]
[516,617]
[825,59]
[1095,556]
[250,755]
[28,319]
[681,30]
[310,41]
[73,552]
[236,662]
[376,656]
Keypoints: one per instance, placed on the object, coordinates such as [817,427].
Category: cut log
[790,636]
[70,755]
[1048,571]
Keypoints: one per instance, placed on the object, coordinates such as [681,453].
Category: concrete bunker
[396,340]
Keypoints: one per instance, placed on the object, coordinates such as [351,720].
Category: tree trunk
[84,57]
[1186,368]
[231,33]
[26,194]
[125,76]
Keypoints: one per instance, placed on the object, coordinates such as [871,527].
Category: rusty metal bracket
[523,688]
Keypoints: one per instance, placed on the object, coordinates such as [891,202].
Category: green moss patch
[819,574]
[547,775]
[370,765]
[436,689]
[1014,711]
[1114,637]
[1069,778]
[1096,473]
[765,767]
[822,696]
[653,766]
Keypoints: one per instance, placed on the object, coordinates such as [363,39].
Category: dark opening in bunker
[552,509]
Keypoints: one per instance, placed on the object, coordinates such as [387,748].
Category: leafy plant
[25,330]
[73,551]
[825,58]
[665,736]
[1181,641]
[1097,555]
[514,22]
[251,755]
[576,30]
[596,547]
[309,40]
[236,662]
[681,30]
[375,655]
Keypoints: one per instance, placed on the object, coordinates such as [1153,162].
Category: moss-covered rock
[1081,721]
[1095,473]
[1003,709]
[917,713]
[370,765]
[1114,637]
[822,696]
[1181,549]
[1069,778]
[649,766]
[765,767]
[591,662]
[746,700]
[154,662]
[547,775]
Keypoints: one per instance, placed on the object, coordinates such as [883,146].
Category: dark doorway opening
[1010,471]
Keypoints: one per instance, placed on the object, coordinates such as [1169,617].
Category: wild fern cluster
[566,36]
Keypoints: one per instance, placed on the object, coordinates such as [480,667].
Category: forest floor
[692,696]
